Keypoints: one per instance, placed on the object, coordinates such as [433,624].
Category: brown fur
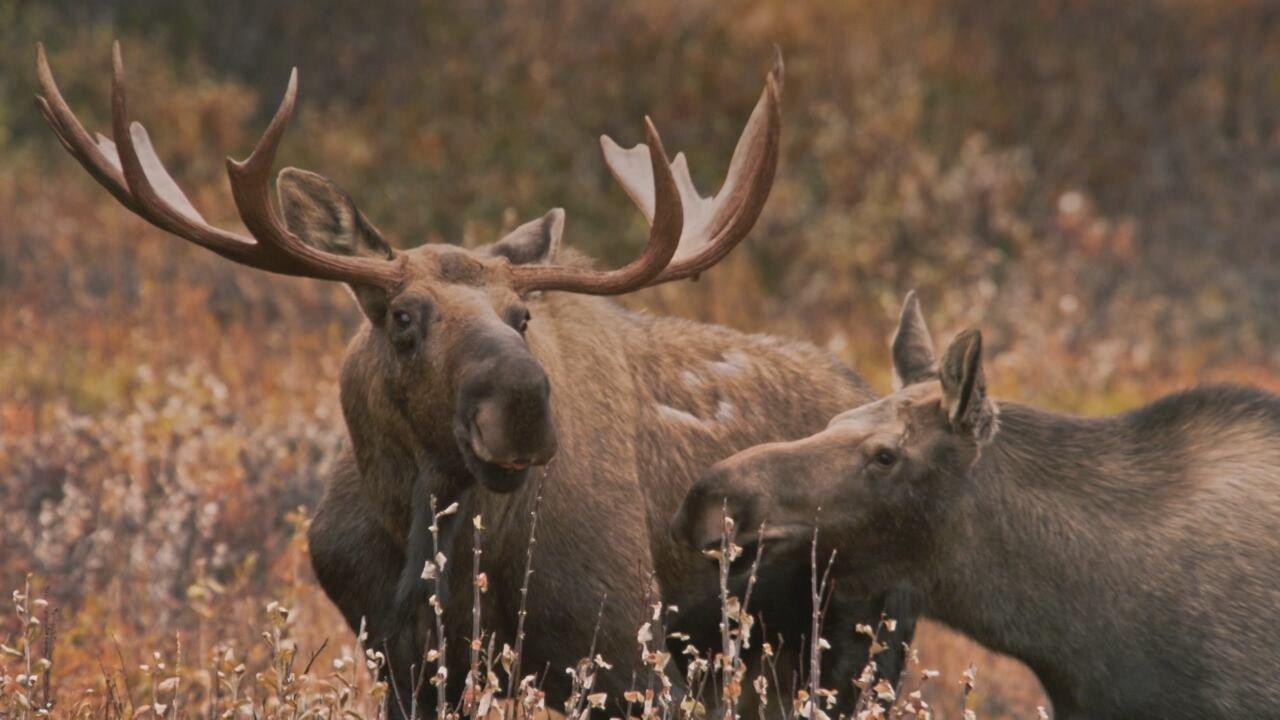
[640,405]
[1133,562]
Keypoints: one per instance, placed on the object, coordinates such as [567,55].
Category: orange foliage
[1055,173]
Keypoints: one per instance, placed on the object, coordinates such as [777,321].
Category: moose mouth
[495,476]
[781,540]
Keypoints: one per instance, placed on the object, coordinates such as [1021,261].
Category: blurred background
[1094,184]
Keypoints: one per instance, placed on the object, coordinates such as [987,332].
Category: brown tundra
[1133,562]
[474,367]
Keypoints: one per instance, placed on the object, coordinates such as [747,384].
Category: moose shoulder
[1133,562]
[476,369]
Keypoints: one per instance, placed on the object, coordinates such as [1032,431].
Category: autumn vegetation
[1093,183]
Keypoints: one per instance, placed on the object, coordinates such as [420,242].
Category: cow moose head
[874,481]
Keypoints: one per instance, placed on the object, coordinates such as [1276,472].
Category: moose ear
[964,388]
[912,348]
[325,217]
[537,241]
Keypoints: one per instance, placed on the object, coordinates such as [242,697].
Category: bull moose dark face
[873,481]
[452,338]
[462,364]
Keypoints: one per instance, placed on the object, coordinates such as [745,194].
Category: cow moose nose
[699,522]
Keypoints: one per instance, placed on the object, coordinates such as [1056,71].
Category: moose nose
[699,522]
[511,423]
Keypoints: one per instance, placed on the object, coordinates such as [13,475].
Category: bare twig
[474,683]
[513,675]
[50,639]
[441,678]
[817,589]
[124,673]
[584,674]
[728,654]
[307,670]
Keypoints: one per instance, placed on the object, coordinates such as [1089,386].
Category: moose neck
[1027,555]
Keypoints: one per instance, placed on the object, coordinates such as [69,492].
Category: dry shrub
[1088,183]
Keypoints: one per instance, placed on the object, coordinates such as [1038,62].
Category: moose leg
[851,650]
[780,602]
[412,591]
[783,604]
[359,563]
[403,640]
[903,607]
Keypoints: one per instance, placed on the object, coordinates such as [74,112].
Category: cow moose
[1133,562]
[477,369]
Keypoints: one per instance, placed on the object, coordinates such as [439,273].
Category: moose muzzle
[699,522]
[764,489]
[504,425]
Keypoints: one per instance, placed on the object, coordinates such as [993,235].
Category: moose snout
[505,420]
[512,424]
[699,522]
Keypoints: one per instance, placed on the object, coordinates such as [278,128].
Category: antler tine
[250,178]
[72,134]
[137,178]
[148,203]
[714,226]
[666,225]
[251,189]
[747,184]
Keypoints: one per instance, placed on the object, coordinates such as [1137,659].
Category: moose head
[447,326]
[875,480]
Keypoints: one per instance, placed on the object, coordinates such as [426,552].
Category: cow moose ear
[912,348]
[322,215]
[537,241]
[964,389]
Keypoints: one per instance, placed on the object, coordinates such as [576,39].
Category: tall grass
[277,676]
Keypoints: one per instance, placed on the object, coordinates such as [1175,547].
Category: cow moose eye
[885,457]
[402,319]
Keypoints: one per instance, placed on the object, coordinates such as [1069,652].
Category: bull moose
[1133,562]
[473,369]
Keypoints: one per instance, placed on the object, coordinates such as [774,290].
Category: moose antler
[709,227]
[128,167]
[712,226]
[130,170]
[665,224]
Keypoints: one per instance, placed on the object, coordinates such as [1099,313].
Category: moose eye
[402,319]
[885,457]
[518,317]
